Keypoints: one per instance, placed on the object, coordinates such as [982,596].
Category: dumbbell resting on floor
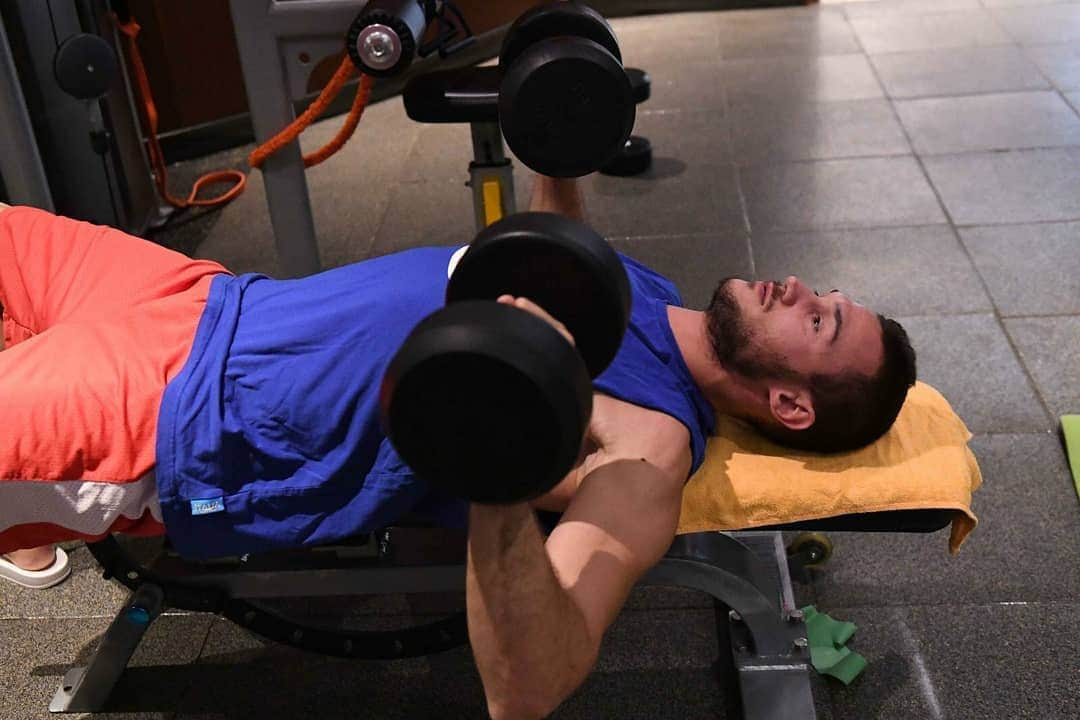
[489,401]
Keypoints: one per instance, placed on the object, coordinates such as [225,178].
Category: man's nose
[793,290]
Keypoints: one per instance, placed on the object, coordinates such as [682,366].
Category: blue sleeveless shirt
[269,438]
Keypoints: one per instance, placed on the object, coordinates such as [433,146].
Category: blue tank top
[270,438]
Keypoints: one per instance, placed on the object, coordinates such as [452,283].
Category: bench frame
[761,636]
[763,659]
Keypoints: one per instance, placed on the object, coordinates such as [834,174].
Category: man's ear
[792,406]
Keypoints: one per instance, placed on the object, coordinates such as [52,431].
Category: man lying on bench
[146,392]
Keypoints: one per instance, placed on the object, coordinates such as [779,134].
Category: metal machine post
[77,156]
[20,163]
[273,38]
[491,175]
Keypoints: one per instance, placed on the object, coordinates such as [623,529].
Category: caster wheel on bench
[811,549]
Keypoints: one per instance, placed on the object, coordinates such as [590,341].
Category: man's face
[784,330]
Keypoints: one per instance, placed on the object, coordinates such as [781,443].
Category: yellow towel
[923,462]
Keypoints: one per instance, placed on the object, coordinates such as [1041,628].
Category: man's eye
[817,293]
[817,323]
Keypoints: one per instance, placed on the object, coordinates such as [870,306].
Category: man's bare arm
[537,612]
[557,195]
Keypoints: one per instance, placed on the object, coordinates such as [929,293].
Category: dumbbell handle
[472,94]
[454,96]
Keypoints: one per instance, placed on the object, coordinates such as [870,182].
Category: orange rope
[343,74]
[149,117]
[363,94]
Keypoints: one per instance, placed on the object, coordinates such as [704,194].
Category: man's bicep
[620,523]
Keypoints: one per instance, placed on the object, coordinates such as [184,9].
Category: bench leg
[86,689]
[766,638]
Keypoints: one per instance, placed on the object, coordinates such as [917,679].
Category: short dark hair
[853,410]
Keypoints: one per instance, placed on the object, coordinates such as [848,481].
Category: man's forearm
[530,640]
[557,195]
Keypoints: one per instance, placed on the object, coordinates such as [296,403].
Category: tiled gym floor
[924,155]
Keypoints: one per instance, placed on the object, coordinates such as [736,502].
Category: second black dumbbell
[565,101]
[488,401]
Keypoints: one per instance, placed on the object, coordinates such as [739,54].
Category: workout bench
[763,661]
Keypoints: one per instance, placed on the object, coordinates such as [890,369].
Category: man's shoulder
[629,430]
[645,416]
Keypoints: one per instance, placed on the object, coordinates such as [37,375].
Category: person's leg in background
[96,322]
[33,559]
[38,567]
[54,269]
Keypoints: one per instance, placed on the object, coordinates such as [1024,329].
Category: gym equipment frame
[277,42]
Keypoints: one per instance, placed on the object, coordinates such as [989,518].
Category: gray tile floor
[924,155]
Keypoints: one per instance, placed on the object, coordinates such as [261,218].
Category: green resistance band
[1070,432]
[827,639]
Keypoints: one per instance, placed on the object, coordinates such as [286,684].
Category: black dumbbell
[566,105]
[488,401]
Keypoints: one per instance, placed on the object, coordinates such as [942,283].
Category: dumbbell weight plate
[487,401]
[558,19]
[565,107]
[85,66]
[634,159]
[640,83]
[562,109]
[563,266]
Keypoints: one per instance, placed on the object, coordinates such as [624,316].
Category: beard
[733,342]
